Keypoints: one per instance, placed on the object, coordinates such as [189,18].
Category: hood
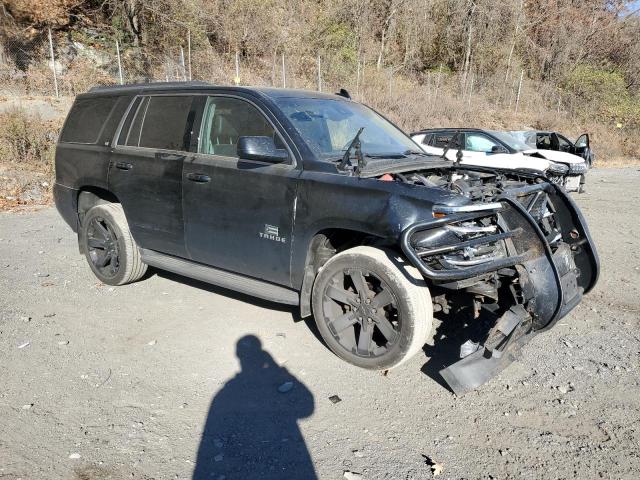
[555,156]
[507,161]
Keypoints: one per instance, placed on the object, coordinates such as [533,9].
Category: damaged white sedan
[488,148]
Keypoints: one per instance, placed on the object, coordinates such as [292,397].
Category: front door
[145,171]
[238,213]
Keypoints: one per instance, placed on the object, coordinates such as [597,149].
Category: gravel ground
[170,378]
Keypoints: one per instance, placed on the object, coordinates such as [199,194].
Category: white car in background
[489,148]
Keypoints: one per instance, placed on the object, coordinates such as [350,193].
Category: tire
[343,315]
[111,251]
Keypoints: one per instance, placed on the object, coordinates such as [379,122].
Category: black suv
[315,200]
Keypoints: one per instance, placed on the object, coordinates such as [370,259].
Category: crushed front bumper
[555,268]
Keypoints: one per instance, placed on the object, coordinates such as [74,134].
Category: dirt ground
[170,378]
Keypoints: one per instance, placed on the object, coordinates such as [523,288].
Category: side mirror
[262,149]
[498,149]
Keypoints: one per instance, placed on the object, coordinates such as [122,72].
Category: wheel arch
[88,197]
[325,244]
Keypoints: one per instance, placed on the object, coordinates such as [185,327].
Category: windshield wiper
[357,146]
[416,152]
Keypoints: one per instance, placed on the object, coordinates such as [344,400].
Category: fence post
[189,51]
[519,89]
[184,69]
[319,74]
[119,62]
[53,64]
[358,80]
[237,79]
[284,74]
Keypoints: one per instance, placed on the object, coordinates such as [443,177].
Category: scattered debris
[74,456]
[468,347]
[27,406]
[335,399]
[49,315]
[152,343]
[63,342]
[567,343]
[351,475]
[358,453]
[285,387]
[25,319]
[436,468]
[98,385]
[218,458]
[41,275]
[281,334]
[25,344]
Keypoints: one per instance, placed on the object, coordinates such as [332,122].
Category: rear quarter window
[86,119]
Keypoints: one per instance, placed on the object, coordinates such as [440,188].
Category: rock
[27,406]
[41,275]
[285,387]
[567,343]
[74,456]
[358,453]
[351,475]
[25,319]
[152,343]
[49,315]
[218,458]
[335,399]
[63,342]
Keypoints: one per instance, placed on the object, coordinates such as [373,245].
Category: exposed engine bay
[519,250]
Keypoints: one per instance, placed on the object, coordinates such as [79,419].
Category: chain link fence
[55,66]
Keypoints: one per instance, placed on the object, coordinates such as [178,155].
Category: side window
[226,120]
[86,119]
[167,123]
[565,145]
[441,140]
[543,141]
[427,139]
[475,142]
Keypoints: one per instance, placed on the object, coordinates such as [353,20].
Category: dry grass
[27,147]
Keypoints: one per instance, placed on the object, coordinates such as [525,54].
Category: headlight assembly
[578,168]
[558,168]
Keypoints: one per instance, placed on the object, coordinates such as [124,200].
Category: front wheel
[371,308]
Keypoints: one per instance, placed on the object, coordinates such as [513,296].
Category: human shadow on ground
[252,428]
[452,330]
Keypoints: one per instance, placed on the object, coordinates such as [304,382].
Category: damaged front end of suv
[519,248]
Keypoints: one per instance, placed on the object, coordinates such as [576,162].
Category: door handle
[198,177]
[123,166]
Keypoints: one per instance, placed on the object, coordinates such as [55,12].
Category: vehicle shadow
[452,330]
[251,429]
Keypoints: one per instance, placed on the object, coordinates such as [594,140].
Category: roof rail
[194,83]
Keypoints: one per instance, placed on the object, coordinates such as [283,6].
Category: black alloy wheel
[102,244]
[361,312]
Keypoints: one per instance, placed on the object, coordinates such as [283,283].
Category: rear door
[145,171]
[239,213]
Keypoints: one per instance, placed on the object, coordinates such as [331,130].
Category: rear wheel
[111,251]
[371,308]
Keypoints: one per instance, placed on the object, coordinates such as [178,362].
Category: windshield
[513,142]
[526,137]
[328,127]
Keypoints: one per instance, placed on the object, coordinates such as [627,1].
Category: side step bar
[222,278]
